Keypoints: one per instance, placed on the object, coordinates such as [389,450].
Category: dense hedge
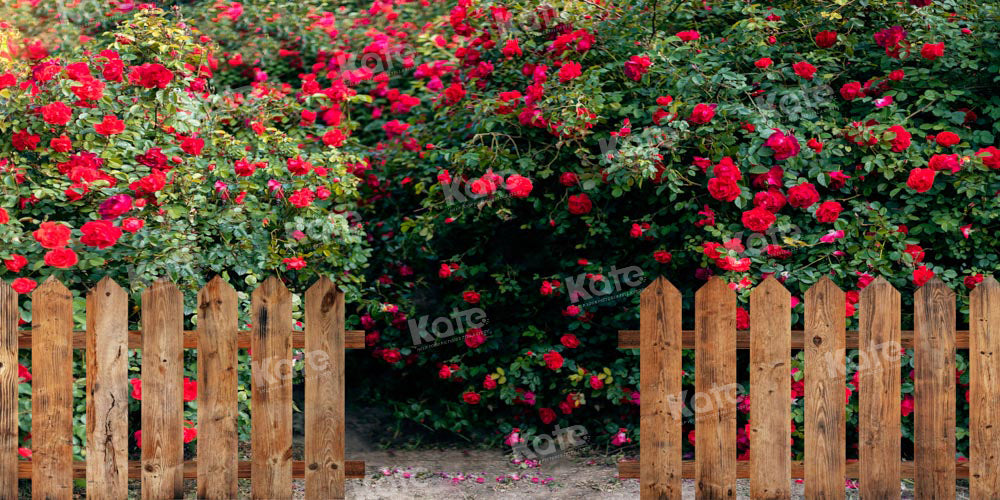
[513,152]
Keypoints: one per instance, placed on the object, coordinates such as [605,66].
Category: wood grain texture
[629,339]
[162,392]
[271,417]
[324,411]
[934,391]
[984,390]
[217,385]
[660,371]
[825,380]
[715,390]
[629,469]
[355,469]
[355,339]
[8,391]
[107,391]
[879,391]
[52,392]
[770,387]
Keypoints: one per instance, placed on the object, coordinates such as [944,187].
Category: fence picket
[271,418]
[770,387]
[8,391]
[878,428]
[715,371]
[217,405]
[163,394]
[660,385]
[324,411]
[52,392]
[984,390]
[934,390]
[107,391]
[825,381]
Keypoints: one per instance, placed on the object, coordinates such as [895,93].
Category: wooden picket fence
[770,469]
[162,468]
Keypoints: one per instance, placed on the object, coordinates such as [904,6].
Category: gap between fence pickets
[629,469]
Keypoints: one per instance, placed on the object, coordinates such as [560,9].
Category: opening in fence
[880,339]
[162,467]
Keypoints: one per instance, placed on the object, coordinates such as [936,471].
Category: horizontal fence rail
[770,341]
[162,468]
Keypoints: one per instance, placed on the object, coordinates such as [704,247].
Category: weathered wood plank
[107,391]
[217,387]
[163,393]
[934,391]
[770,387]
[629,339]
[8,391]
[879,391]
[271,418]
[355,469]
[355,339]
[629,469]
[324,411]
[825,380]
[52,392]
[984,390]
[660,385]
[715,390]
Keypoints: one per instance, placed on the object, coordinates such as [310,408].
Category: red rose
[61,144]
[547,415]
[471,297]
[25,141]
[702,113]
[932,51]
[826,39]
[688,36]
[724,188]
[4,216]
[803,196]
[828,211]
[662,256]
[57,113]
[489,382]
[334,138]
[763,62]
[192,145]
[951,163]
[901,141]
[132,224]
[111,125]
[851,91]
[569,71]
[553,360]
[23,286]
[915,251]
[471,398]
[922,275]
[972,281]
[150,75]
[948,139]
[758,219]
[569,340]
[921,179]
[391,355]
[61,258]
[804,69]
[579,204]
[474,338]
[897,75]
[784,146]
[519,186]
[569,179]
[772,200]
[815,145]
[190,389]
[52,235]
[294,263]
[15,263]
[100,233]
[637,66]
[990,156]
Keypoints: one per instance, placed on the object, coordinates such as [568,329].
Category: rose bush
[510,151]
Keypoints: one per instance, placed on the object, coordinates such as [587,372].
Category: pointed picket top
[825,287]
[716,284]
[52,286]
[216,289]
[108,287]
[934,288]
[162,285]
[270,288]
[988,286]
[770,286]
[322,285]
[879,284]
[659,286]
